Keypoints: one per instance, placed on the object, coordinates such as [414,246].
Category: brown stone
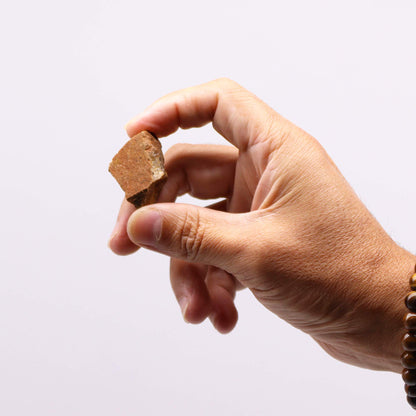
[139,169]
[410,301]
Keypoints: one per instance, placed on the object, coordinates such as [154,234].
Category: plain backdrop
[84,332]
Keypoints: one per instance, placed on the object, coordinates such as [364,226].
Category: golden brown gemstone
[139,169]
[410,390]
[411,301]
[409,360]
[412,282]
[409,376]
[412,401]
[410,321]
[409,342]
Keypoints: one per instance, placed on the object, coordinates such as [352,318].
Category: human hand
[290,228]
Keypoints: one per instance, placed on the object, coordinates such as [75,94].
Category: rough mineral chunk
[139,169]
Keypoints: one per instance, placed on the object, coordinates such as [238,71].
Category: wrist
[400,269]
[384,328]
[373,327]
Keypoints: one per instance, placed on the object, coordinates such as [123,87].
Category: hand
[290,228]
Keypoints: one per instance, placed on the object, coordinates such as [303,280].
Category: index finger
[237,114]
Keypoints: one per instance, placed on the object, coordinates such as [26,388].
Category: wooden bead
[409,342]
[412,282]
[409,360]
[410,390]
[412,401]
[410,321]
[409,376]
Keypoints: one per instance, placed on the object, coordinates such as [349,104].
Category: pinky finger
[222,288]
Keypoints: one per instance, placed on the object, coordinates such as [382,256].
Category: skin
[289,228]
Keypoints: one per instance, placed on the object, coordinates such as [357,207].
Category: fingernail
[215,320]
[113,235]
[115,232]
[145,227]
[133,120]
[183,303]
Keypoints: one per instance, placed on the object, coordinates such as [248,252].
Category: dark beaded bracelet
[409,345]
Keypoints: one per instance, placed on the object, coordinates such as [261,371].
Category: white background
[84,332]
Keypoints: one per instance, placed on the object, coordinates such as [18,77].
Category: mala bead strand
[409,345]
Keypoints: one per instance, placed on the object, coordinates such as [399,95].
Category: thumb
[191,233]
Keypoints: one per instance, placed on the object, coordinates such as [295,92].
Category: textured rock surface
[139,169]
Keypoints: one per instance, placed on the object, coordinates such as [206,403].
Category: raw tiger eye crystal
[139,169]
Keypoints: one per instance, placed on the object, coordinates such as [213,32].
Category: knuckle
[175,157]
[191,236]
[226,80]
[175,151]
[228,84]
